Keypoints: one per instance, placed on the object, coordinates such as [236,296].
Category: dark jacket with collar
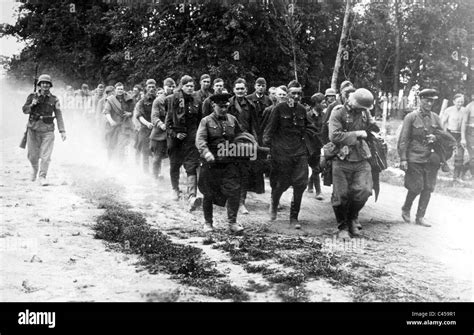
[48,107]
[260,104]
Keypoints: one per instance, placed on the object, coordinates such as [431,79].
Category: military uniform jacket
[286,130]
[183,116]
[214,130]
[202,95]
[260,104]
[243,110]
[158,116]
[343,124]
[144,107]
[48,107]
[412,144]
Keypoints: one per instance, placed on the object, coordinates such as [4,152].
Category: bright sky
[9,46]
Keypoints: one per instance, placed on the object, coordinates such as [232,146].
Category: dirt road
[49,252]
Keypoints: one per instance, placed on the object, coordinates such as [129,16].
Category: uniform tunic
[352,176]
[40,129]
[413,148]
[284,134]
[219,180]
[183,116]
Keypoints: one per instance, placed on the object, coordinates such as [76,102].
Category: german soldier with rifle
[43,107]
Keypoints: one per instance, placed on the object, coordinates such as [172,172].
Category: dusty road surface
[49,250]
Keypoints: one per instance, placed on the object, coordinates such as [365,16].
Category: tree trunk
[345,29]
[396,66]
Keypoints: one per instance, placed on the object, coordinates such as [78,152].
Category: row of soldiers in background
[288,137]
[287,134]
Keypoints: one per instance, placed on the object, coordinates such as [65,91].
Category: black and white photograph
[167,153]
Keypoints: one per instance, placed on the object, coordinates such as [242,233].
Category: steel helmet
[361,98]
[46,78]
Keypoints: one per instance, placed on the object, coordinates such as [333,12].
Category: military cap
[428,93]
[261,81]
[151,82]
[220,98]
[317,98]
[205,76]
[85,86]
[118,84]
[100,86]
[330,92]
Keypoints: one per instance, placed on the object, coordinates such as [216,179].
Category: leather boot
[353,217]
[341,216]
[317,186]
[274,202]
[295,208]
[422,206]
[232,206]
[194,201]
[407,206]
[207,210]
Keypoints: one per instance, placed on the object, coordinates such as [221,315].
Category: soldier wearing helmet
[352,177]
[416,157]
[43,107]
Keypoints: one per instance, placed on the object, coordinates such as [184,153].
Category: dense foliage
[99,42]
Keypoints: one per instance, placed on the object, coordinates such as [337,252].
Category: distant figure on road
[43,107]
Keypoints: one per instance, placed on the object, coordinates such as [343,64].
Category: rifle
[35,84]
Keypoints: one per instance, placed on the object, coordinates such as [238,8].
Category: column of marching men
[272,135]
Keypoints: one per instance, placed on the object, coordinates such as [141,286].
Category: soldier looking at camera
[42,107]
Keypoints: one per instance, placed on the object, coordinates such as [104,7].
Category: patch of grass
[260,268]
[120,226]
[294,278]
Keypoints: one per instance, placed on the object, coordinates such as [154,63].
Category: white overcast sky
[9,46]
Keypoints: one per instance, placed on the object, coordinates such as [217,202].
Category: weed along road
[97,234]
